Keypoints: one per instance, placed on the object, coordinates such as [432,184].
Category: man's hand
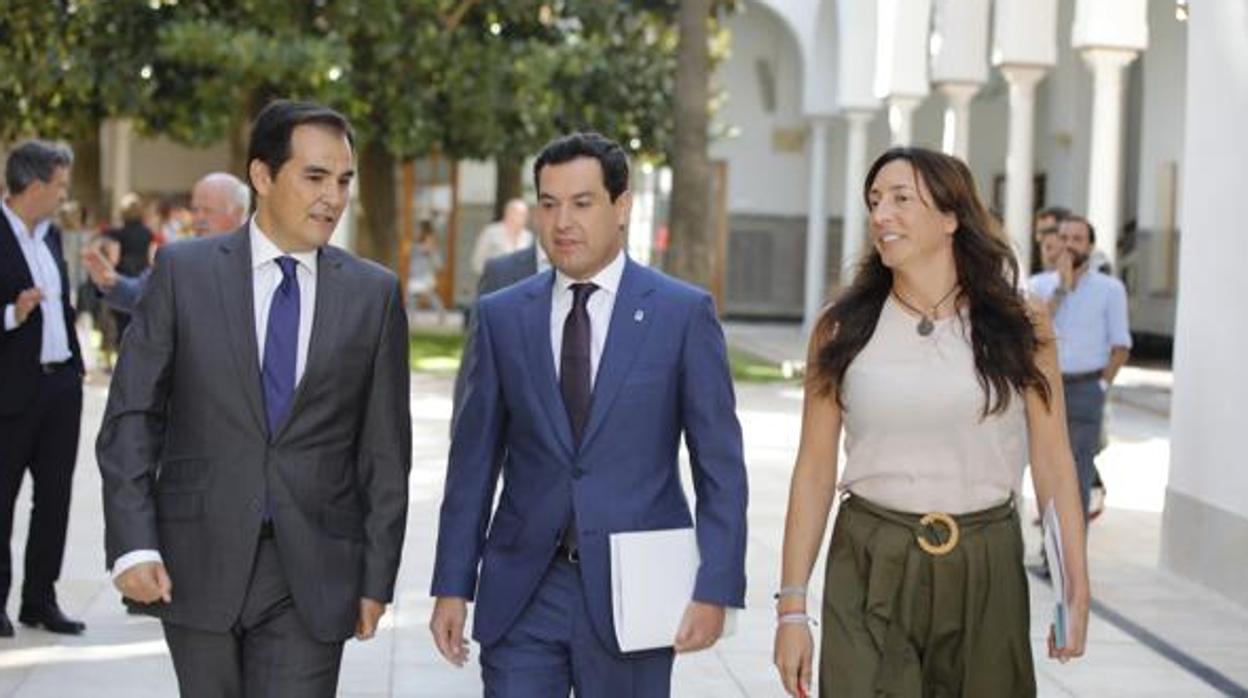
[447,626]
[146,582]
[102,272]
[700,628]
[370,613]
[1066,270]
[26,303]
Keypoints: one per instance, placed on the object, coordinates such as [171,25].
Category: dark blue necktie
[575,361]
[281,346]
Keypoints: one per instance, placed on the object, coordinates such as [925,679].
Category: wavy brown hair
[1003,337]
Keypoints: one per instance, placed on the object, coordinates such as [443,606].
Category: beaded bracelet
[795,619]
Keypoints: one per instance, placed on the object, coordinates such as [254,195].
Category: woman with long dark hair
[945,381]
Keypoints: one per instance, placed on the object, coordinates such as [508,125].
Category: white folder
[652,579]
[1057,573]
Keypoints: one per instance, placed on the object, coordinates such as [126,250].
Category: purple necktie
[281,346]
[575,378]
[575,362]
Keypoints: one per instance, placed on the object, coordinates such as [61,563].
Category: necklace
[926,322]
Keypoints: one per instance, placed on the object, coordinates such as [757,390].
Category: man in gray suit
[257,439]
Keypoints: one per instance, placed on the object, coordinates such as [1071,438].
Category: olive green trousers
[901,622]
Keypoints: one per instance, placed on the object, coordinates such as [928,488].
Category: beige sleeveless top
[915,437]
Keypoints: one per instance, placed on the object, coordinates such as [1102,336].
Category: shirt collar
[19,225]
[264,251]
[607,279]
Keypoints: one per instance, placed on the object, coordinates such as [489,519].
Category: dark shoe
[6,627]
[51,619]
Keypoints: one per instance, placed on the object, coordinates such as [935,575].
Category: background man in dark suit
[585,378]
[41,378]
[500,272]
[257,439]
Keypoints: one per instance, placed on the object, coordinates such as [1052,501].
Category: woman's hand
[1076,630]
[793,653]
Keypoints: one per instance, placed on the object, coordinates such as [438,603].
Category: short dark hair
[271,131]
[1072,218]
[35,159]
[587,144]
[1058,213]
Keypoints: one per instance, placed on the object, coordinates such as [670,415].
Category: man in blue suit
[584,378]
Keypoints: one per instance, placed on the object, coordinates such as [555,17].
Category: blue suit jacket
[663,373]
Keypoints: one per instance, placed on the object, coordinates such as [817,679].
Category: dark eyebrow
[318,170]
[578,195]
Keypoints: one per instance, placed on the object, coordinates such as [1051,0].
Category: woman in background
[422,275]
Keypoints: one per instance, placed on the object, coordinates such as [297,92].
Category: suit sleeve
[385,455]
[472,469]
[125,293]
[132,432]
[713,437]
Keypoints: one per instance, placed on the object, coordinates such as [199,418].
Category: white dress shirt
[599,307]
[47,277]
[266,276]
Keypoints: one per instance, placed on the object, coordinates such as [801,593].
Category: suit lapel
[9,249]
[625,337]
[540,357]
[234,281]
[330,294]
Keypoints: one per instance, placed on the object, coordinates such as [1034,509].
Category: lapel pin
[639,315]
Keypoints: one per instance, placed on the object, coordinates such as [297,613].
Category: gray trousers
[1085,408]
[268,653]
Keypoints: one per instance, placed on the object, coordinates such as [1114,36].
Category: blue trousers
[1085,408]
[552,649]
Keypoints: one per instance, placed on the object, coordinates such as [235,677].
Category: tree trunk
[240,134]
[508,182]
[690,253]
[377,234]
[86,184]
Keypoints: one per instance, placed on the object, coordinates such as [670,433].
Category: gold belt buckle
[945,520]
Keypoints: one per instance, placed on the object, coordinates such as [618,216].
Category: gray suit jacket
[187,460]
[499,273]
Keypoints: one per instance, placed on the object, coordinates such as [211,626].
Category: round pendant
[925,326]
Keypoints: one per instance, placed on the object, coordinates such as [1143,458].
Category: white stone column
[959,46]
[903,38]
[1105,168]
[1019,168]
[120,140]
[816,223]
[1205,524]
[956,140]
[901,118]
[854,228]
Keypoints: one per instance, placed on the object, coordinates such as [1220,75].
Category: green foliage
[66,64]
[431,351]
[473,78]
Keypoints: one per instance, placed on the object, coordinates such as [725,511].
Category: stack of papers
[1057,572]
[652,578]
